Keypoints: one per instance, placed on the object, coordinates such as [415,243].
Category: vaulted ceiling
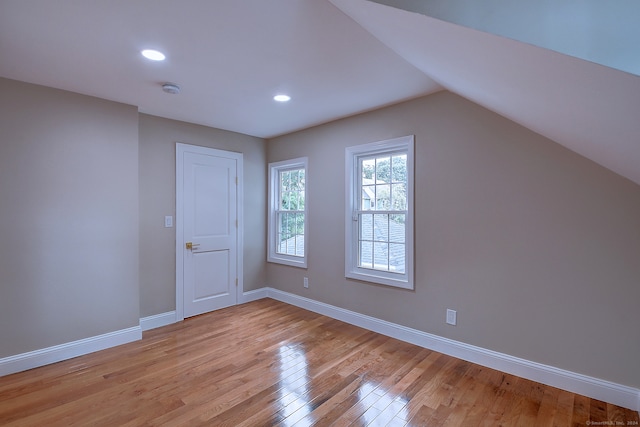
[335,58]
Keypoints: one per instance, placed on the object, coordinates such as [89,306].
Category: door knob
[191,246]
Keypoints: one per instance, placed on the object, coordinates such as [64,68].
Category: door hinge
[236,223]
[236,281]
[236,180]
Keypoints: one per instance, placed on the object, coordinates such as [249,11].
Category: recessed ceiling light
[282,98]
[153,55]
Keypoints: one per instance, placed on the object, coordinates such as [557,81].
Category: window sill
[372,277]
[288,261]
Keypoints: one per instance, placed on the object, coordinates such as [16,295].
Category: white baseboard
[595,388]
[253,295]
[158,320]
[57,353]
[164,319]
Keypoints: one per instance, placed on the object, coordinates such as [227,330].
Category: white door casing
[208,215]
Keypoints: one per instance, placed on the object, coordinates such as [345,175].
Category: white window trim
[274,170]
[352,271]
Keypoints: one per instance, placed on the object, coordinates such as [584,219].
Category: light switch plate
[168,221]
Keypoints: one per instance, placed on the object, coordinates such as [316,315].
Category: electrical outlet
[451,317]
[306,282]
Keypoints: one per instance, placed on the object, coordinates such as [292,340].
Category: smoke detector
[171,88]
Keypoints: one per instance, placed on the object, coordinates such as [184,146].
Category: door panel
[211,276]
[212,200]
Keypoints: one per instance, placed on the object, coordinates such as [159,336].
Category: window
[379,217]
[288,212]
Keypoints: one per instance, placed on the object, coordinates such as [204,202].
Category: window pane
[291,233]
[284,181]
[282,222]
[366,227]
[295,200]
[299,223]
[380,256]
[396,257]
[381,227]
[366,255]
[368,197]
[293,180]
[299,245]
[368,167]
[399,168]
[383,172]
[399,197]
[292,184]
[282,243]
[397,232]
[383,200]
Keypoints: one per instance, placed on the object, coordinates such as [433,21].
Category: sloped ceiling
[589,108]
[604,32]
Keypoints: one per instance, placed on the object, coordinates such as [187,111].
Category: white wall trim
[253,295]
[158,320]
[607,391]
[57,353]
[164,319]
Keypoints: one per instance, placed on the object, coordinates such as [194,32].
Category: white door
[207,234]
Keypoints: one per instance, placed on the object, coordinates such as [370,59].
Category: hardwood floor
[267,363]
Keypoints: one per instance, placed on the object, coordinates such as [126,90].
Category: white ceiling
[231,56]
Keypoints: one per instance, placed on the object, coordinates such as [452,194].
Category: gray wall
[536,247]
[68,217]
[158,137]
[85,184]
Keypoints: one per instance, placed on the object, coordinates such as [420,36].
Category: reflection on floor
[267,363]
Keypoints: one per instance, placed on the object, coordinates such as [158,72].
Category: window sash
[297,249]
[370,244]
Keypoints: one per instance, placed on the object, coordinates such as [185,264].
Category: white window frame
[274,188]
[353,190]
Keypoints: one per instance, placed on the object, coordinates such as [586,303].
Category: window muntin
[288,212]
[379,241]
